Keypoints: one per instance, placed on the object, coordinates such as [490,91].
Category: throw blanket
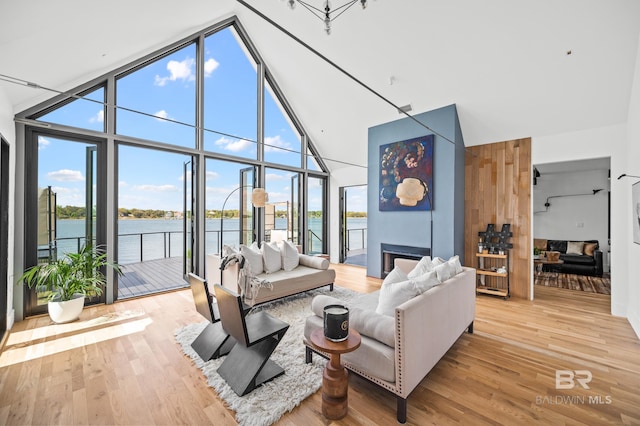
[248,283]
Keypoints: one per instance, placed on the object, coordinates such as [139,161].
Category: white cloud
[157,188]
[212,175]
[122,184]
[273,176]
[183,70]
[233,145]
[210,66]
[66,175]
[68,196]
[161,115]
[274,143]
[98,118]
[43,143]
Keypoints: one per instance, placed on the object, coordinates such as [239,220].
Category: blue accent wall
[413,228]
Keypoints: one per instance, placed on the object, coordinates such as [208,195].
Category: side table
[335,383]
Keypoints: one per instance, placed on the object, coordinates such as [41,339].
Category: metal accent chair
[248,365]
[212,342]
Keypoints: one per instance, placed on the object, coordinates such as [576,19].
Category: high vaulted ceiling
[513,68]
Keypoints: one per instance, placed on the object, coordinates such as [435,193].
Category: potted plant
[536,252]
[70,279]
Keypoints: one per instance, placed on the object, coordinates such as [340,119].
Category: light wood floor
[120,364]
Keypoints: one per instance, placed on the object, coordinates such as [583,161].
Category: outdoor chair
[248,365]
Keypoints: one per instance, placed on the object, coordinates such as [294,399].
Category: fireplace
[390,252]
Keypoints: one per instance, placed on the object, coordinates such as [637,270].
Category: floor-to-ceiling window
[208,98]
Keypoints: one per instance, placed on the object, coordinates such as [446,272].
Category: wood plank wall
[498,190]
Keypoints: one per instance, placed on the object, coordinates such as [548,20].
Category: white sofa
[397,352]
[312,272]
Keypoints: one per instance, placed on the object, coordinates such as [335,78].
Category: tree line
[74,212]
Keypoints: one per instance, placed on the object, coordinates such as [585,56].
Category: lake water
[163,237]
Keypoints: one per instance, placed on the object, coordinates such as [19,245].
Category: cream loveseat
[310,273]
[398,351]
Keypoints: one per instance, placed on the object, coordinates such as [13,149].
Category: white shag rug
[266,404]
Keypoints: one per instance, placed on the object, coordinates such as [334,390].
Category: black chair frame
[257,335]
[212,342]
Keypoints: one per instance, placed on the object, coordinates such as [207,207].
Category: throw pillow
[443,271]
[590,248]
[395,276]
[271,257]
[540,244]
[438,261]
[254,257]
[290,258]
[426,281]
[422,267]
[369,323]
[315,262]
[454,264]
[228,250]
[392,295]
[575,247]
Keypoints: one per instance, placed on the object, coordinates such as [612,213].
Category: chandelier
[327,15]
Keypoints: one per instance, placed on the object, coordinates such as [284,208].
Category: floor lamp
[412,190]
[259,198]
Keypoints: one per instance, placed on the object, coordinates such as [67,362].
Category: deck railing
[143,246]
[362,240]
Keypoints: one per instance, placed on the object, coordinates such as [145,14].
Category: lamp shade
[259,197]
[410,191]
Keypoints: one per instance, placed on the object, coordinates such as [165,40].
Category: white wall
[633,168]
[7,130]
[575,218]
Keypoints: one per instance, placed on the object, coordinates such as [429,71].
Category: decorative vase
[66,311]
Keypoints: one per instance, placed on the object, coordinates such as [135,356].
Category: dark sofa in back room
[580,257]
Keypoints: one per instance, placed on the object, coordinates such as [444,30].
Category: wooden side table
[335,378]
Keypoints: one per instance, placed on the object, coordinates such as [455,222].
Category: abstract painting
[406,175]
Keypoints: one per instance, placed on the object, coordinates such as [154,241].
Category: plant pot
[67,311]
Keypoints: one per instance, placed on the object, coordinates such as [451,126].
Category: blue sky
[165,89]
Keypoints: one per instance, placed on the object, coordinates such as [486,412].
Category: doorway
[155,221]
[571,204]
[353,225]
[65,184]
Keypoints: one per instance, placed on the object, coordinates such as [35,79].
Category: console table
[335,383]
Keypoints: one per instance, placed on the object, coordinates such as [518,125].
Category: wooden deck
[152,276]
